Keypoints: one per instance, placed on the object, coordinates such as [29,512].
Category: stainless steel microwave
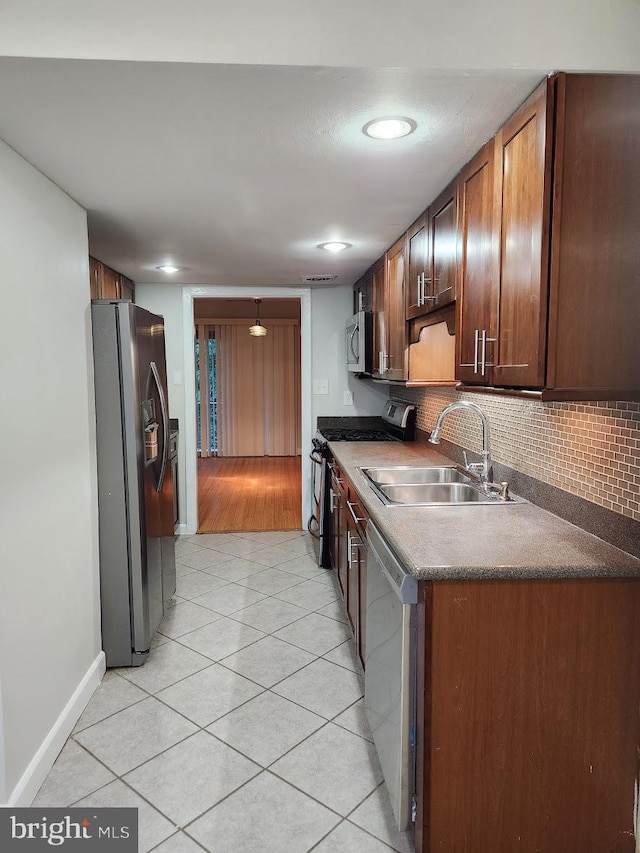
[359,342]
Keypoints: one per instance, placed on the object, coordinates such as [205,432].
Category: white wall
[49,605]
[329,309]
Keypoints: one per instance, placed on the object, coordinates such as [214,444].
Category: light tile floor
[245,729]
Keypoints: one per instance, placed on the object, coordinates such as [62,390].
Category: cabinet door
[362,595]
[95,278]
[359,596]
[110,283]
[476,316]
[334,520]
[363,293]
[396,328]
[443,224]
[380,321]
[417,254]
[523,172]
[127,288]
[594,315]
[338,522]
[343,541]
[352,597]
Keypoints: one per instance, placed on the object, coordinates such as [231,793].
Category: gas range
[397,423]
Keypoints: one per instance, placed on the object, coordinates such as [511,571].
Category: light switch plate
[320,386]
[347,399]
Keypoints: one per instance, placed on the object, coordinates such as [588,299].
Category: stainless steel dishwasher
[390,671]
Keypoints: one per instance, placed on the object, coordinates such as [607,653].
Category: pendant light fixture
[257,330]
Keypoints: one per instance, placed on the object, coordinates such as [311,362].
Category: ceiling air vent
[318,279]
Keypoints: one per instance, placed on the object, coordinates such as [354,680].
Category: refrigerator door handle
[165,425]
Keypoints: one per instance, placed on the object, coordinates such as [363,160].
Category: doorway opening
[248,415]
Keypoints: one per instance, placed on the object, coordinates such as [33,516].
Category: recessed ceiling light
[170,268]
[334,246]
[389,128]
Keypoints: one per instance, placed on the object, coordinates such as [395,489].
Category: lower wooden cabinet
[527,716]
[357,519]
[348,553]
[527,696]
[336,522]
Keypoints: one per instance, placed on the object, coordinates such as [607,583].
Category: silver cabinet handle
[424,288]
[426,279]
[475,350]
[360,301]
[333,503]
[352,542]
[485,341]
[354,515]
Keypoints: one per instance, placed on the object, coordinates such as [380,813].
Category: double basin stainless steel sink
[447,485]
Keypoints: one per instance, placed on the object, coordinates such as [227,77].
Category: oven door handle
[332,468]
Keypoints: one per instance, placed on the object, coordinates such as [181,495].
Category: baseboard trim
[42,762]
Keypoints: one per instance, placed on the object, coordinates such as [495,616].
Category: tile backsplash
[589,449]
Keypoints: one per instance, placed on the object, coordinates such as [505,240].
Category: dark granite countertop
[476,541]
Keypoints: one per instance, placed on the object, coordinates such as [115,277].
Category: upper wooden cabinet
[106,283]
[524,148]
[363,293]
[594,293]
[548,295]
[537,243]
[417,266]
[476,321]
[390,338]
[110,283]
[378,297]
[443,226]
[432,256]
[505,194]
[95,278]
[127,288]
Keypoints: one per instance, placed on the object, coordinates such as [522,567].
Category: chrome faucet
[483,469]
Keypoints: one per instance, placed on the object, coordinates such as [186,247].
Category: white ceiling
[235,170]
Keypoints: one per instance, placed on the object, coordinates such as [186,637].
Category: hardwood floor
[249,493]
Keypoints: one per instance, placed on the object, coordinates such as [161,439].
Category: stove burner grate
[351,434]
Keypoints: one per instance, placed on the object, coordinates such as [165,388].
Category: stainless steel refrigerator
[135,491]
